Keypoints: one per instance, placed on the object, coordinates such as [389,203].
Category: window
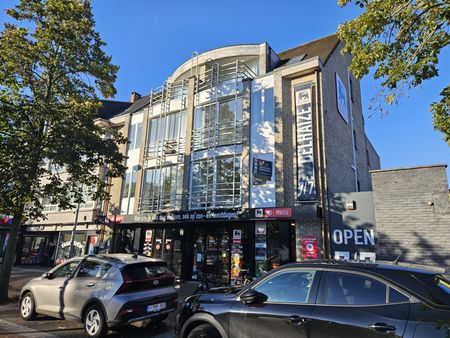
[230,117]
[293,286]
[126,185]
[134,136]
[218,124]
[133,181]
[129,186]
[216,182]
[66,270]
[162,188]
[397,297]
[351,289]
[89,269]
[166,132]
[105,269]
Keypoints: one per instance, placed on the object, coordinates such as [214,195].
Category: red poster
[310,247]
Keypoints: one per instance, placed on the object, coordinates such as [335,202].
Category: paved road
[11,325]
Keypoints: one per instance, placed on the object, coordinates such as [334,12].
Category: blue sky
[150,39]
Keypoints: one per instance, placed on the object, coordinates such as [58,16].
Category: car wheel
[94,322]
[204,331]
[27,307]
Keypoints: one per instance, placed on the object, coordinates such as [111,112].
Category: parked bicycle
[244,278]
[208,281]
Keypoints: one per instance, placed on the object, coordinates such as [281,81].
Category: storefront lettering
[75,244]
[357,236]
[186,216]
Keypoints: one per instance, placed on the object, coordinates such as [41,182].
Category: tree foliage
[401,40]
[52,69]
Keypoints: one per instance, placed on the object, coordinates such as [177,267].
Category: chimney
[134,97]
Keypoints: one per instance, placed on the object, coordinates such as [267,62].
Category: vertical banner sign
[310,247]
[306,187]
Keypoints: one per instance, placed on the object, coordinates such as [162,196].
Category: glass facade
[165,133]
[162,188]
[218,124]
[216,183]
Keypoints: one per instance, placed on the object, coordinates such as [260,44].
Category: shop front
[50,244]
[203,241]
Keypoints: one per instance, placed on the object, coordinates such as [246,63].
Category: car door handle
[90,284]
[294,319]
[382,327]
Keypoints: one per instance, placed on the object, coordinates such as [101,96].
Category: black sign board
[262,168]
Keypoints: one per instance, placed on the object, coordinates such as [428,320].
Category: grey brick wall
[412,212]
[338,134]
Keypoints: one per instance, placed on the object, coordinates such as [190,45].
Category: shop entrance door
[212,253]
[165,244]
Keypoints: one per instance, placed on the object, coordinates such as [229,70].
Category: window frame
[321,297]
[313,292]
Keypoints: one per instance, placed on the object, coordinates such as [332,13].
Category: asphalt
[12,325]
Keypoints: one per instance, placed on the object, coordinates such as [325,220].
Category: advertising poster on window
[306,187]
[236,253]
[260,247]
[148,239]
[341,94]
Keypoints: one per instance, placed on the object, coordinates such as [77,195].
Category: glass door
[212,253]
[166,245]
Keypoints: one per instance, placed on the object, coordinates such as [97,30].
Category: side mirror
[47,275]
[251,296]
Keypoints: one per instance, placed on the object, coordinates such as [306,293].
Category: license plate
[156,307]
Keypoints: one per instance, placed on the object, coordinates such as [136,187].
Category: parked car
[103,291]
[325,299]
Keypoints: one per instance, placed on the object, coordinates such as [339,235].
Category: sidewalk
[20,275]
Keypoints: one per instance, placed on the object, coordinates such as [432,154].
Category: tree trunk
[10,252]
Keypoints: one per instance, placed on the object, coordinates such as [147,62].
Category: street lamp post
[72,239]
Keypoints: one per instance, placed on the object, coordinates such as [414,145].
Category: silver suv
[102,291]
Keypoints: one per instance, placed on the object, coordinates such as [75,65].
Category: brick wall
[412,212]
[338,134]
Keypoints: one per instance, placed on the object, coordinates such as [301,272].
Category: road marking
[8,328]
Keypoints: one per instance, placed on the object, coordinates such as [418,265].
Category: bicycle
[244,278]
[208,281]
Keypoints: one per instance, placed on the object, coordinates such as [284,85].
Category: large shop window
[218,124]
[216,183]
[162,189]
[165,133]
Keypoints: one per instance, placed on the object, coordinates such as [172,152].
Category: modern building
[232,161]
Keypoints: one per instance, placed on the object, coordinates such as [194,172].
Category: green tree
[52,69]
[401,40]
